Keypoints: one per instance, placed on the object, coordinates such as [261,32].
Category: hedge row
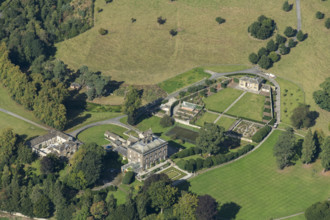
[261,134]
[186,152]
[128,178]
[193,165]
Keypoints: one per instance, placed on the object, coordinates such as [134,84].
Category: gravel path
[298,15]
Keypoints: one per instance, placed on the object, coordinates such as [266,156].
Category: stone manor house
[142,153]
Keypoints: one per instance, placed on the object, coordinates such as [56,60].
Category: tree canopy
[284,149]
[263,28]
[211,138]
[322,97]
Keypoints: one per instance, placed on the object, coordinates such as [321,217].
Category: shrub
[266,117]
[220,20]
[261,134]
[263,51]
[212,89]
[128,178]
[263,28]
[181,164]
[253,58]
[283,49]
[286,6]
[191,165]
[161,20]
[274,57]
[267,103]
[280,39]
[327,23]
[290,32]
[301,36]
[292,43]
[208,162]
[108,1]
[166,121]
[267,110]
[245,149]
[103,31]
[265,62]
[173,32]
[319,15]
[272,46]
[199,163]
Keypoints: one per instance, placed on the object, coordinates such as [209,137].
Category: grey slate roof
[257,80]
[144,146]
[46,137]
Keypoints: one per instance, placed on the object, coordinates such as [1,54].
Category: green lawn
[225,122]
[206,117]
[96,134]
[222,100]
[19,126]
[88,117]
[291,96]
[226,68]
[183,80]
[262,191]
[120,196]
[249,106]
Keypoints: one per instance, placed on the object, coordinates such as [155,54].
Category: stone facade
[253,84]
[147,151]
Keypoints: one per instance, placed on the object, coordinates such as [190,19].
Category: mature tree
[207,208]
[8,149]
[186,206]
[325,154]
[290,32]
[265,62]
[142,203]
[155,178]
[263,28]
[99,210]
[319,211]
[132,104]
[24,154]
[274,57]
[263,51]
[103,31]
[301,36]
[111,202]
[86,166]
[303,118]
[272,46]
[42,207]
[211,138]
[292,43]
[319,15]
[162,195]
[286,6]
[49,164]
[173,32]
[220,20]
[280,39]
[327,23]
[166,121]
[322,97]
[253,58]
[309,148]
[283,49]
[284,148]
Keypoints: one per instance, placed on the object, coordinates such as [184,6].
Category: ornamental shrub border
[261,133]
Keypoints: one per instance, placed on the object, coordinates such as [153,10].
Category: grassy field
[96,134]
[19,126]
[308,63]
[183,80]
[225,122]
[249,106]
[206,117]
[226,68]
[260,190]
[221,100]
[291,96]
[144,52]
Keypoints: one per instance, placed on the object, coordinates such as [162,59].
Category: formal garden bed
[174,174]
[246,128]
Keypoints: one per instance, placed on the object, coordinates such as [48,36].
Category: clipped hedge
[128,178]
[261,134]
[186,152]
[193,165]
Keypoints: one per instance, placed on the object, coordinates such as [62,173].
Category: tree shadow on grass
[228,211]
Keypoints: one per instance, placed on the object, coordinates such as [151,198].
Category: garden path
[227,109]
[298,15]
